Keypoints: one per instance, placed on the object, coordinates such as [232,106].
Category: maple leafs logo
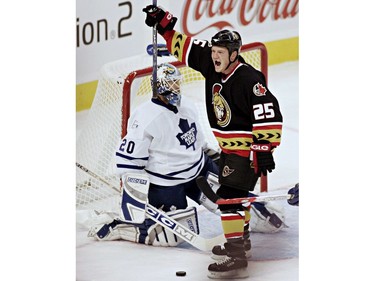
[188,137]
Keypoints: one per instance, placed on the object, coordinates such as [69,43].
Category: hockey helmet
[168,82]
[228,39]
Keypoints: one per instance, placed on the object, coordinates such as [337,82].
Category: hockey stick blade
[207,190]
[162,50]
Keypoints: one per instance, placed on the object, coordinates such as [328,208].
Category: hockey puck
[180,273]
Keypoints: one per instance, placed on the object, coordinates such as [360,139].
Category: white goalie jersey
[164,141]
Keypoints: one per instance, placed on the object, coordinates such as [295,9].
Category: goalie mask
[168,83]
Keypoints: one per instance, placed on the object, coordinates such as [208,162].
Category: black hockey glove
[294,199]
[156,15]
[262,156]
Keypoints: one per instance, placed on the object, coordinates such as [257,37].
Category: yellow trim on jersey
[235,143]
[271,135]
[178,42]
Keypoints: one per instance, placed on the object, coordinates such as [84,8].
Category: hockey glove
[164,20]
[262,156]
[294,191]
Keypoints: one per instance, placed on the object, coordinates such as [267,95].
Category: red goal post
[253,53]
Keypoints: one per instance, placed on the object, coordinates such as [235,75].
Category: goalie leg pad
[161,236]
[134,197]
[149,232]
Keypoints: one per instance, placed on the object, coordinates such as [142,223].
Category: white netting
[97,142]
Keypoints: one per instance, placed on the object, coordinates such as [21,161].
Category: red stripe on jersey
[243,153]
[267,127]
[232,135]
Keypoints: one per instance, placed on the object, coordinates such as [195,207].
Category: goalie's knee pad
[161,236]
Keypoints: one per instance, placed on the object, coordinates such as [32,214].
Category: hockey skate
[219,252]
[234,263]
[228,268]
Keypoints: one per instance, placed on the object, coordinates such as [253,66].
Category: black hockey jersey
[239,105]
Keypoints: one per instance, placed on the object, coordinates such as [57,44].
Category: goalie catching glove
[164,20]
[262,156]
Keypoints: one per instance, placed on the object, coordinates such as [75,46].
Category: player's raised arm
[178,44]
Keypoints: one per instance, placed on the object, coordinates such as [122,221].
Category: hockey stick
[163,219]
[83,168]
[207,190]
[154,56]
[181,231]
[162,50]
[213,181]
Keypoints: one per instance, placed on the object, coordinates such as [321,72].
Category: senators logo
[220,106]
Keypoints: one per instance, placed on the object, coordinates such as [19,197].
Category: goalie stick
[207,190]
[161,218]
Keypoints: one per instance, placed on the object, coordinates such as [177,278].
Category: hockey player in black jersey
[245,118]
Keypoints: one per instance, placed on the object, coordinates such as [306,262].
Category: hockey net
[118,92]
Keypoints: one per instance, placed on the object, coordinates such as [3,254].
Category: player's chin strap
[230,62]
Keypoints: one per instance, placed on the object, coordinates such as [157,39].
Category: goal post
[120,89]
